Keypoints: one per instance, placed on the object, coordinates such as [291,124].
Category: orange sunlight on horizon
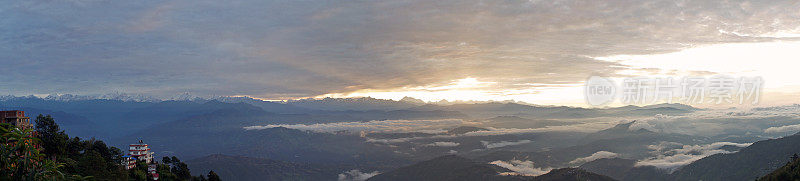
[774,61]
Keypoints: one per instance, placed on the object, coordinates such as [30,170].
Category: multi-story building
[128,161]
[16,118]
[141,152]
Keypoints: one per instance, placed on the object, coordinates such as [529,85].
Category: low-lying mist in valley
[663,141]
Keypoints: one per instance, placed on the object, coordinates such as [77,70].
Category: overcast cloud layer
[290,49]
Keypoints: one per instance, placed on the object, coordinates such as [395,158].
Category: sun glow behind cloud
[472,89]
[774,61]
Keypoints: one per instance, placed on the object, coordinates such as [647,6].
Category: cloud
[290,49]
[594,156]
[521,167]
[389,141]
[406,139]
[386,126]
[687,125]
[583,127]
[490,145]
[672,159]
[783,129]
[664,146]
[700,123]
[356,175]
[786,108]
[720,122]
[443,144]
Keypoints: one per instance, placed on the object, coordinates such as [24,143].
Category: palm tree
[22,158]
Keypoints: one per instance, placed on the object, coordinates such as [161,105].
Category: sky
[535,51]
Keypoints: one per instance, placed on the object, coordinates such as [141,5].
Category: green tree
[199,178]
[53,139]
[91,158]
[21,159]
[790,171]
[173,168]
[181,170]
[213,176]
[166,160]
[138,175]
[51,154]
[164,172]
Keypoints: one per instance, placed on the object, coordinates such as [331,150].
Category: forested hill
[749,163]
[790,171]
[48,153]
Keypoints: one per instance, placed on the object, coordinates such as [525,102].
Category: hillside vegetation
[47,153]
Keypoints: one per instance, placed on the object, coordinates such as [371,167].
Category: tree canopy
[48,153]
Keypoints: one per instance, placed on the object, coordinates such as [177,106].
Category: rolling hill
[749,163]
[249,168]
[445,168]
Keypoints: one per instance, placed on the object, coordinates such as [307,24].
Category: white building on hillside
[141,152]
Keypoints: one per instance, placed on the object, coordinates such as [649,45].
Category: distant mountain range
[112,119]
[116,114]
[341,104]
[494,109]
